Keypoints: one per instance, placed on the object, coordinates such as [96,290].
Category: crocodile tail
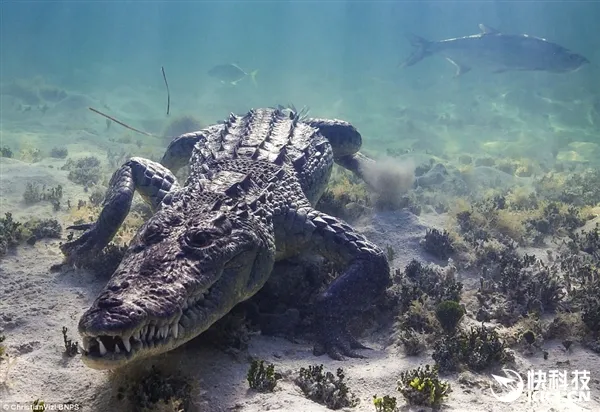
[422,50]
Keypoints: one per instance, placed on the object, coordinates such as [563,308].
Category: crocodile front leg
[154,182]
[361,285]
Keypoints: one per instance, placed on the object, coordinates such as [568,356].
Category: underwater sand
[37,303]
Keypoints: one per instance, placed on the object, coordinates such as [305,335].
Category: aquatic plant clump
[38,405]
[414,343]
[2,348]
[345,196]
[517,216]
[11,233]
[30,154]
[261,378]
[423,387]
[71,348]
[421,279]
[325,388]
[86,171]
[385,404]
[59,152]
[5,151]
[42,229]
[578,189]
[156,389]
[478,349]
[590,308]
[554,221]
[35,193]
[525,280]
[438,243]
[449,314]
[588,242]
[418,317]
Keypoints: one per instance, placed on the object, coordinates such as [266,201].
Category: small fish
[231,73]
[498,52]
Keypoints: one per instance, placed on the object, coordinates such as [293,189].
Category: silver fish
[231,73]
[498,52]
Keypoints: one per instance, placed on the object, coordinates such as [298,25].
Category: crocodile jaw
[111,350]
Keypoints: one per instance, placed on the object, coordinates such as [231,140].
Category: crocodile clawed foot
[77,249]
[338,343]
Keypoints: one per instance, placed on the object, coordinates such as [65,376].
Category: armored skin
[212,242]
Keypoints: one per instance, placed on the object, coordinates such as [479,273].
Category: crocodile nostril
[106,302]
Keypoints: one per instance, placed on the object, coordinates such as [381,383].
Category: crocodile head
[184,270]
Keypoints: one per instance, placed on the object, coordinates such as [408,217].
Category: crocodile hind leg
[345,141]
[358,164]
[154,182]
[179,151]
[361,285]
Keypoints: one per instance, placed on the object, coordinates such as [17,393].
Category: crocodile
[211,243]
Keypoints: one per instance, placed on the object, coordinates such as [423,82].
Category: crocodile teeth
[127,345]
[102,348]
[175,330]
[86,344]
[151,332]
[117,350]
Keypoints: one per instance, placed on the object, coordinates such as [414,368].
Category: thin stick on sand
[121,123]
[168,92]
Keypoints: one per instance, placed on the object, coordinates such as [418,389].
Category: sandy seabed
[36,303]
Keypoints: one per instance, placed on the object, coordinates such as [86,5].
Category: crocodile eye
[198,238]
